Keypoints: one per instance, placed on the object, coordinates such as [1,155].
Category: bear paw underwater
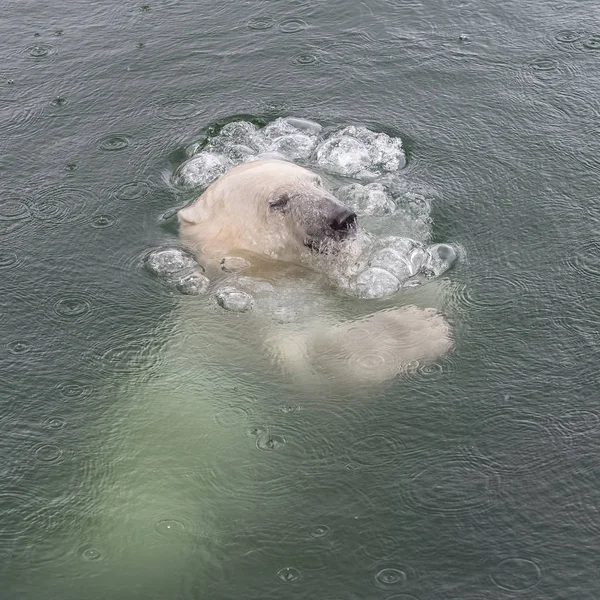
[278,215]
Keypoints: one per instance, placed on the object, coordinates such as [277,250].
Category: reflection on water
[147,453]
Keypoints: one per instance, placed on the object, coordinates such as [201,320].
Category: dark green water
[129,462]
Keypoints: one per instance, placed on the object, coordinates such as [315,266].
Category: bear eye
[280,202]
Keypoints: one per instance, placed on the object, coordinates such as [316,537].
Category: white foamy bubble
[360,152]
[308,127]
[417,258]
[367,200]
[290,125]
[294,145]
[395,263]
[344,156]
[169,261]
[239,132]
[375,282]
[202,169]
[193,284]
[403,245]
[234,300]
[440,257]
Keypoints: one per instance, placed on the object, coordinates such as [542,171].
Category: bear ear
[195,212]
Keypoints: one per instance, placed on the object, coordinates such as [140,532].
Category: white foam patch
[371,200]
[361,153]
[202,169]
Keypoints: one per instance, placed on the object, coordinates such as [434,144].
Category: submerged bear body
[274,217]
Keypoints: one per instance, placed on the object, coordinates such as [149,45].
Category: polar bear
[276,214]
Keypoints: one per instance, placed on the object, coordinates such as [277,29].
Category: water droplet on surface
[390,576]
[53,423]
[260,23]
[319,531]
[305,58]
[170,527]
[103,221]
[90,553]
[592,42]
[113,143]
[292,25]
[270,442]
[19,347]
[289,574]
[40,51]
[568,37]
[74,390]
[72,307]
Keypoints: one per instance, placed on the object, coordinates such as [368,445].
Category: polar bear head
[271,207]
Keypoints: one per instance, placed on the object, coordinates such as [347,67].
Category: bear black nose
[344,220]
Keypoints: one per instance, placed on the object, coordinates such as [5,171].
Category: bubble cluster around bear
[362,167]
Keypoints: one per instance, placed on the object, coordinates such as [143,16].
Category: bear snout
[344,221]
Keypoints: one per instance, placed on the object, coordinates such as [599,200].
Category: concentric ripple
[113,142]
[319,531]
[592,42]
[9,259]
[587,261]
[379,545]
[47,453]
[260,23]
[576,423]
[70,307]
[104,221]
[452,485]
[53,423]
[89,553]
[548,71]
[14,208]
[505,292]
[19,347]
[60,205]
[129,356]
[176,109]
[170,527]
[74,390]
[270,442]
[566,36]
[40,51]
[292,25]
[307,58]
[25,514]
[515,442]
[289,574]
[233,416]
[21,118]
[516,574]
[375,450]
[390,576]
[132,190]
